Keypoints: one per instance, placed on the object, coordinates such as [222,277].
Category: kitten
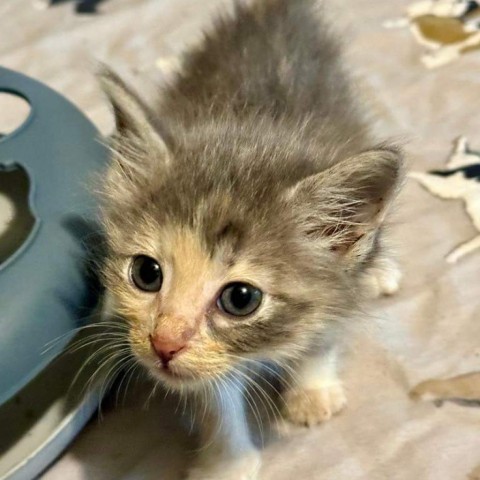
[243,215]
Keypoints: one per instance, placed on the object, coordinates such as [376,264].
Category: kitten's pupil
[149,272]
[240,296]
[240,299]
[146,274]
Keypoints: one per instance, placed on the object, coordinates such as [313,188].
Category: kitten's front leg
[383,278]
[318,392]
[226,450]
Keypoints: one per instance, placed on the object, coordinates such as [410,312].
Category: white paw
[383,279]
[169,65]
[245,467]
[309,407]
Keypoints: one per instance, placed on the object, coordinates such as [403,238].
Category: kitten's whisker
[92,340]
[216,386]
[99,368]
[146,404]
[131,374]
[193,420]
[82,368]
[100,324]
[130,363]
[87,388]
[204,392]
[254,408]
[124,346]
[110,376]
[273,372]
[267,401]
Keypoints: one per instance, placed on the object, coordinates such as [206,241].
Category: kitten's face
[214,299]
[231,243]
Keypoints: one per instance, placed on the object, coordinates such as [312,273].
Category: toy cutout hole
[14,111]
[16,219]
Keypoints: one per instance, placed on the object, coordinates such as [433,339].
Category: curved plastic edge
[5,396]
[39,460]
[28,82]
[31,206]
[30,115]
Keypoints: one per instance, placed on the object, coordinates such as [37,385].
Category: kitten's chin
[178,378]
[173,376]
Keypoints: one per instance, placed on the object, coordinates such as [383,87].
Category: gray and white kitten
[243,215]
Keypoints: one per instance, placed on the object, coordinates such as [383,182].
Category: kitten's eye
[239,299]
[146,274]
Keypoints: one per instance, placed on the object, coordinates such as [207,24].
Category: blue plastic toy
[45,288]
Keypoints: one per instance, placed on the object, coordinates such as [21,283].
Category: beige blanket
[429,329]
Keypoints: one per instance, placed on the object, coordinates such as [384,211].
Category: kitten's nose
[166,348]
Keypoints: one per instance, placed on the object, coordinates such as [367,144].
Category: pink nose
[166,349]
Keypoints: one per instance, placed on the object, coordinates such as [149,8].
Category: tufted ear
[345,205]
[134,122]
[139,151]
[131,115]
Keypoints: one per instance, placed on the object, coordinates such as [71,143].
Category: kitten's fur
[255,166]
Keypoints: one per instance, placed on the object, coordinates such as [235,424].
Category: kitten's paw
[383,279]
[312,406]
[246,467]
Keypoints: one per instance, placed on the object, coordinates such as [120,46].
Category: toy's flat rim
[36,94]
[63,413]
[55,352]
[46,453]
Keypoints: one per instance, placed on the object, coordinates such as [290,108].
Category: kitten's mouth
[173,374]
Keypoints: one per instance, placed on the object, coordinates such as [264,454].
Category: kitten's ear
[133,120]
[138,150]
[344,205]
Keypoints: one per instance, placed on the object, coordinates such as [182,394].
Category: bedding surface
[430,329]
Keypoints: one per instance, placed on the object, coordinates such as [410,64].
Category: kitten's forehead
[196,268]
[194,273]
